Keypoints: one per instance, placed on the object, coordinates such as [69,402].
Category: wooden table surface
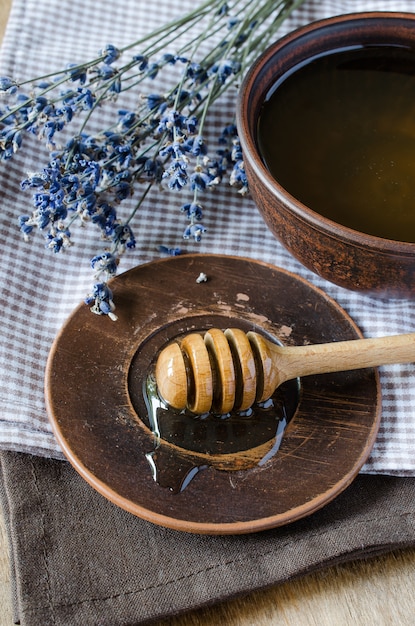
[378,591]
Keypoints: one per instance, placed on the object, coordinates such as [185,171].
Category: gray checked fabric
[40,289]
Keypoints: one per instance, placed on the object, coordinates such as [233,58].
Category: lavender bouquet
[161,141]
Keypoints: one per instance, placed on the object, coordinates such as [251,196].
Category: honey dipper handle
[286,363]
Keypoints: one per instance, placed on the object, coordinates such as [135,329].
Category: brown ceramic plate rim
[59,403]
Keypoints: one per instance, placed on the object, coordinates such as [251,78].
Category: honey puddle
[186,444]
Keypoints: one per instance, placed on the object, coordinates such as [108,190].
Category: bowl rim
[302,211]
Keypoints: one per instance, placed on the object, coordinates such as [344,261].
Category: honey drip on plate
[186,444]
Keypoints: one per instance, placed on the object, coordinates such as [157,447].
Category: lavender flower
[170,251]
[159,142]
[194,231]
[102,302]
[225,68]
[7,84]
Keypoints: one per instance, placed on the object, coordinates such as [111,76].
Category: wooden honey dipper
[233,369]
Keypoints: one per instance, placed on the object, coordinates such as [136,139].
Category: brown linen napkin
[78,559]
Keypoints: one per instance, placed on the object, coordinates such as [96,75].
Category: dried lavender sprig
[160,142]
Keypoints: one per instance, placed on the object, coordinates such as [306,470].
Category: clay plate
[97,372]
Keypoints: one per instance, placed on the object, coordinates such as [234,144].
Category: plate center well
[235,440]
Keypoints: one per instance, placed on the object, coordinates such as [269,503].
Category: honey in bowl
[338,133]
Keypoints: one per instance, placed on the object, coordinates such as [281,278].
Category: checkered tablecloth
[40,289]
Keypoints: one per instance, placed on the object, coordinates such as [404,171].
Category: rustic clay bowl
[346,257]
